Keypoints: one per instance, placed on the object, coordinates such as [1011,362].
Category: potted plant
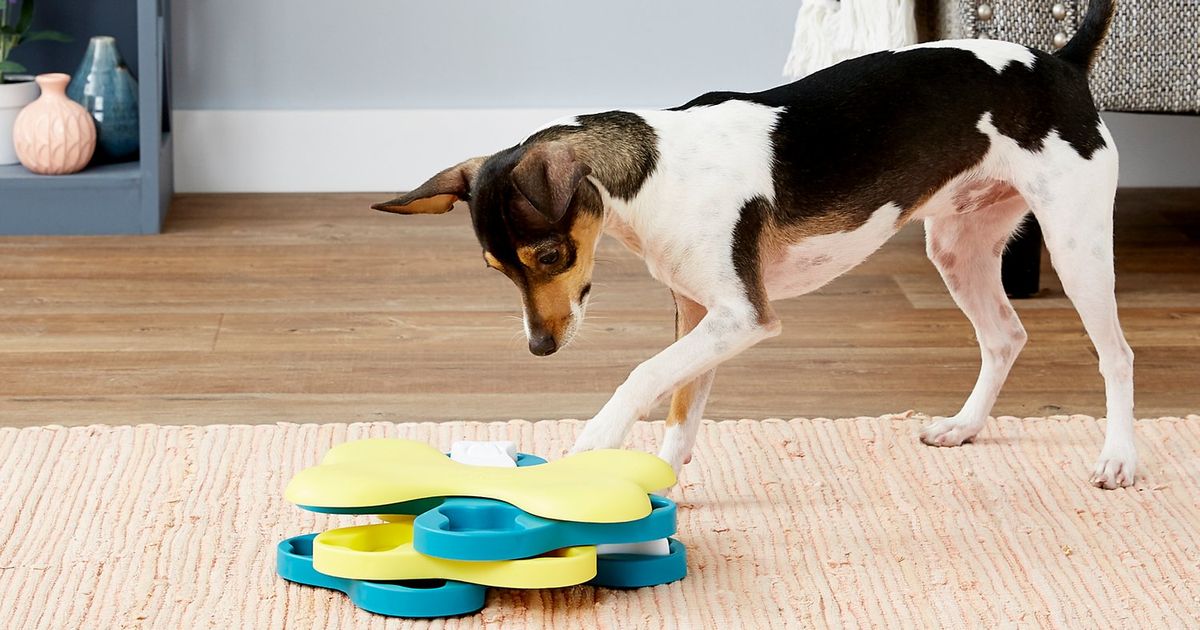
[16,90]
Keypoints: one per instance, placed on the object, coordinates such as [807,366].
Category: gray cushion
[1150,61]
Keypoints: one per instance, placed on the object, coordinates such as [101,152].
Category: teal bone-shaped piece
[485,529]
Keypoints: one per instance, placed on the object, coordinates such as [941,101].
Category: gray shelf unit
[125,198]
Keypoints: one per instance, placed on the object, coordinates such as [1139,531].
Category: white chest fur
[712,160]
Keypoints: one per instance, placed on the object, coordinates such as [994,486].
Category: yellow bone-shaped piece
[384,551]
[604,486]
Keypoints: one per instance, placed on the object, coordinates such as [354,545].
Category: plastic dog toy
[604,486]
[454,529]
[418,598]
[483,529]
[444,598]
[384,551]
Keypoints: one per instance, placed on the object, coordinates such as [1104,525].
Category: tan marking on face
[492,261]
[528,255]
[550,298]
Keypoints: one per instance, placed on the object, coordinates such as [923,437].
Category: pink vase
[54,135]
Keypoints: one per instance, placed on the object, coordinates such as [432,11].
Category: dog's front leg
[683,420]
[725,330]
[687,403]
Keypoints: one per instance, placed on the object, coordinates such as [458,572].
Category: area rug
[789,523]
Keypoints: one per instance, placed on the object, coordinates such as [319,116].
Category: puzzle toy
[416,598]
[605,486]
[413,507]
[482,529]
[453,529]
[385,552]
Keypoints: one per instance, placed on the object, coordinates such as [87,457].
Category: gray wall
[1157,150]
[479,55]
[385,54]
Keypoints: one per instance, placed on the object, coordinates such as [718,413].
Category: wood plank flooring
[264,308]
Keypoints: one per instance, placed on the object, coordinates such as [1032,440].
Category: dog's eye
[549,258]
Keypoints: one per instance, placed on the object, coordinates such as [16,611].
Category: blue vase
[104,86]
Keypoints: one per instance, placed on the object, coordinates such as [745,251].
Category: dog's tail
[1081,50]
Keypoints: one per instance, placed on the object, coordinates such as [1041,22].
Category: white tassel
[475,453]
[829,32]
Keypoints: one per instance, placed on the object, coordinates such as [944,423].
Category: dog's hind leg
[966,249]
[687,403]
[1075,210]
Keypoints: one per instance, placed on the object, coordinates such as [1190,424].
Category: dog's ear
[547,176]
[437,195]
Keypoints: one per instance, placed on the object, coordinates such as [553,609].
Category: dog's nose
[542,343]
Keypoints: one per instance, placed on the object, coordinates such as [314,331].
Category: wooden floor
[264,308]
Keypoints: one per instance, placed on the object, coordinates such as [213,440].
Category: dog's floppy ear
[547,176]
[438,194]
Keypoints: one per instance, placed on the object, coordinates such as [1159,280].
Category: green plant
[15,29]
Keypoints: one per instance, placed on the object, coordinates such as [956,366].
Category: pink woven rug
[793,523]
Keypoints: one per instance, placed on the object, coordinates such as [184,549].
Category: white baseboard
[394,150]
[337,150]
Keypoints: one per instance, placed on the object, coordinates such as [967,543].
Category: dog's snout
[542,343]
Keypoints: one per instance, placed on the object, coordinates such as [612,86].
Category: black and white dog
[735,200]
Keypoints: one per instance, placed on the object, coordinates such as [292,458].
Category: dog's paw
[1116,468]
[675,457]
[949,432]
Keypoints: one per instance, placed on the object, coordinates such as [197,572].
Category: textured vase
[54,135]
[104,86]
[14,96]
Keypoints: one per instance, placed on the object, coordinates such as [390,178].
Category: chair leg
[1021,269]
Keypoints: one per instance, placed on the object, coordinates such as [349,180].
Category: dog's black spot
[895,127]
[1081,50]
[746,260]
[492,194]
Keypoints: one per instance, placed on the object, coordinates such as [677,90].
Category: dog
[735,200]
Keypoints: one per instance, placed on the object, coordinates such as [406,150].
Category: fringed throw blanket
[828,31]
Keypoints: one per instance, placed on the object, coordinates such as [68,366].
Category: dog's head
[538,219]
